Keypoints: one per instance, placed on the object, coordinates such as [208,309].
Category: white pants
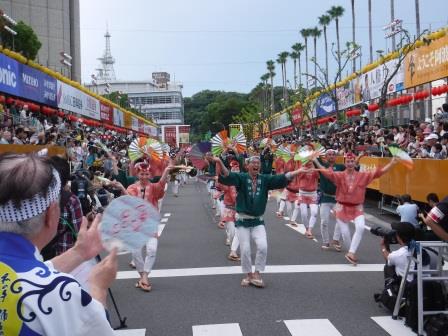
[304,215]
[325,219]
[352,244]
[145,258]
[258,234]
[231,236]
[175,187]
[288,205]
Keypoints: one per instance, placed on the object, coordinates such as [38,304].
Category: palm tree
[417,16]
[336,12]
[298,48]
[353,33]
[324,21]
[305,34]
[271,67]
[294,56]
[264,79]
[282,58]
[370,31]
[315,33]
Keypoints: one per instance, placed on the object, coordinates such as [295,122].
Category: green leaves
[25,42]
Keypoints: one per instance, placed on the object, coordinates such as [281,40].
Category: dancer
[350,194]
[327,202]
[307,183]
[252,188]
[150,192]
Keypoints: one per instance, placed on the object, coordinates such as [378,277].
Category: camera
[390,236]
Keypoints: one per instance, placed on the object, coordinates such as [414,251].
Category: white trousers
[325,223]
[232,236]
[352,244]
[145,258]
[313,215]
[175,187]
[258,234]
[288,205]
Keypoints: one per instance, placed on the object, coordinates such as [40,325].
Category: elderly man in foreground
[38,298]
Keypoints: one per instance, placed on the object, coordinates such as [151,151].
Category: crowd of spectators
[421,139]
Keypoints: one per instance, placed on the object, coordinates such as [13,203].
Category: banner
[134,125]
[345,96]
[296,115]
[37,86]
[141,126]
[325,105]
[428,63]
[127,121]
[9,75]
[368,86]
[184,134]
[74,100]
[118,117]
[280,121]
[106,113]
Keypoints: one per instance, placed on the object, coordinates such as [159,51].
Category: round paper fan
[128,222]
[219,142]
[239,141]
[135,150]
[402,156]
[153,149]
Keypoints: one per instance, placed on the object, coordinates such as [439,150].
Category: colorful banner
[280,121]
[428,63]
[74,100]
[118,117]
[141,126]
[345,96]
[127,120]
[9,75]
[106,112]
[368,86]
[184,134]
[296,115]
[134,125]
[37,86]
[325,105]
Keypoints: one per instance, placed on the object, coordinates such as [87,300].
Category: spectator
[5,139]
[437,220]
[407,210]
[21,136]
[29,192]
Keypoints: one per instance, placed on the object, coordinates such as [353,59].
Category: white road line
[229,329]
[274,269]
[300,228]
[315,327]
[130,332]
[164,220]
[167,214]
[393,327]
[161,227]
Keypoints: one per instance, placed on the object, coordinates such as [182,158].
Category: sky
[224,44]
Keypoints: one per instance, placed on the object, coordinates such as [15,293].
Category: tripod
[121,319]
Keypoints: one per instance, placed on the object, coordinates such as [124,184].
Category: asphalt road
[196,290]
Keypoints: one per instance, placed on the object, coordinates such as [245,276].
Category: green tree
[336,12]
[324,21]
[297,51]
[271,67]
[282,58]
[25,42]
[305,34]
[315,34]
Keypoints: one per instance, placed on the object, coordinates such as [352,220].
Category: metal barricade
[435,274]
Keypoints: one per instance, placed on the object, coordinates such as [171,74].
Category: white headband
[34,206]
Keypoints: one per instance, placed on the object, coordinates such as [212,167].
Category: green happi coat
[252,203]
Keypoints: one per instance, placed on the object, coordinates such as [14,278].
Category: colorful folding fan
[402,156]
[267,142]
[153,149]
[135,150]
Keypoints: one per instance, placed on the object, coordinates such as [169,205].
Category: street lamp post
[66,60]
[12,22]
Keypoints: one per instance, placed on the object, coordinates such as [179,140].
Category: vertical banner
[325,105]
[127,121]
[118,118]
[134,124]
[106,113]
[169,135]
[184,134]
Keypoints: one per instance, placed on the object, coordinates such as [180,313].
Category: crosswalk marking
[164,220]
[228,329]
[393,327]
[130,332]
[273,269]
[167,214]
[315,327]
[161,227]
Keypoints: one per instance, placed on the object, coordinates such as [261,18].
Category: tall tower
[106,70]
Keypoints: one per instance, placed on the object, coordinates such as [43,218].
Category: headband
[142,166]
[34,206]
[350,156]
[253,158]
